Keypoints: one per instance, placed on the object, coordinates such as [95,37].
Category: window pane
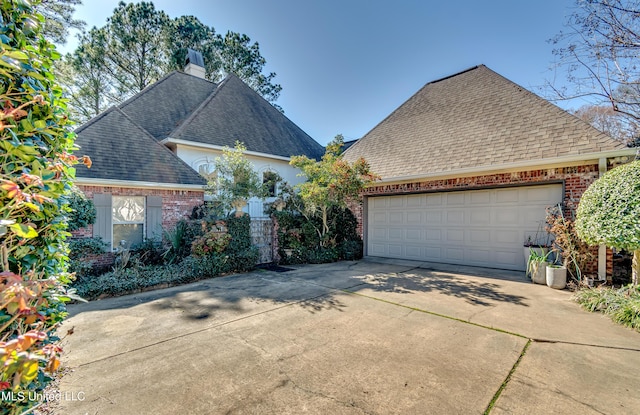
[269,181]
[131,234]
[128,209]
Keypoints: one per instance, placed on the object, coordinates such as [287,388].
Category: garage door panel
[433,235]
[414,217]
[454,254]
[414,201]
[507,237]
[395,234]
[434,199]
[480,198]
[414,234]
[455,217]
[379,234]
[509,195]
[473,227]
[395,250]
[414,251]
[480,236]
[434,217]
[455,235]
[478,255]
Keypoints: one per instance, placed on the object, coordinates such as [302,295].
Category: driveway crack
[502,387]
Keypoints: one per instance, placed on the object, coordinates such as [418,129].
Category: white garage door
[475,227]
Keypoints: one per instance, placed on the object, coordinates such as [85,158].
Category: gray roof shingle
[163,106]
[121,150]
[235,112]
[474,119]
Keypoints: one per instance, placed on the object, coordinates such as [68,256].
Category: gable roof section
[131,153]
[474,119]
[235,112]
[164,105]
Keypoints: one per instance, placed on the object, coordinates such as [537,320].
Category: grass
[621,304]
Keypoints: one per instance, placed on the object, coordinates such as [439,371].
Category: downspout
[602,249]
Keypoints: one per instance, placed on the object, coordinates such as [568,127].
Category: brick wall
[176,204]
[576,179]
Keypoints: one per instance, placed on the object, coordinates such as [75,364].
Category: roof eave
[540,163]
[169,142]
[86,181]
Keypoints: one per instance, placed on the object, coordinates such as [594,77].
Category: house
[469,164]
[151,153]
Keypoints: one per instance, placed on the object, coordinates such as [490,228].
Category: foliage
[575,253]
[298,234]
[214,241]
[612,123]
[83,211]
[58,18]
[139,44]
[330,182]
[234,179]
[622,304]
[85,78]
[35,172]
[600,54]
[609,212]
[82,247]
[242,255]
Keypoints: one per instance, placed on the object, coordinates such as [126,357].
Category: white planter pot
[539,272]
[527,254]
[556,277]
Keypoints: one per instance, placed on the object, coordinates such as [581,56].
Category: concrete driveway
[367,337]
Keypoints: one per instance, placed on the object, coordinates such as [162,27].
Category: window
[269,179]
[128,220]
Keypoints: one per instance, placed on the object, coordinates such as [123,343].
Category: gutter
[177,141]
[517,166]
[138,184]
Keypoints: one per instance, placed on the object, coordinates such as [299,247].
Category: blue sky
[345,65]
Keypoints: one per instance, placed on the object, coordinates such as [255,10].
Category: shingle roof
[235,112]
[162,106]
[476,118]
[121,150]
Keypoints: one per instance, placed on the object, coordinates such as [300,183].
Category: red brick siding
[176,204]
[576,179]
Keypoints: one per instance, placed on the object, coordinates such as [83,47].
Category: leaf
[29,372]
[23,231]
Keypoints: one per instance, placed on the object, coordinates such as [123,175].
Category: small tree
[35,172]
[235,181]
[609,212]
[331,182]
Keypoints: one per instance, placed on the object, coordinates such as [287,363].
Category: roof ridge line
[145,89]
[187,120]
[95,119]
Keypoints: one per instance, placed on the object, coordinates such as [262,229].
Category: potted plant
[537,265]
[538,245]
[568,248]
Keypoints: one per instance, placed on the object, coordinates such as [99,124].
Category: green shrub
[243,256]
[36,171]
[300,234]
[83,211]
[149,252]
[79,250]
[214,241]
[622,304]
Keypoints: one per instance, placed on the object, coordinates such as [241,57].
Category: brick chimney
[194,64]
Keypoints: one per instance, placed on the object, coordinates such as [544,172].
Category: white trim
[194,144]
[517,166]
[138,185]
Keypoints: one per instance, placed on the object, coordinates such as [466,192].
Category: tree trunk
[635,267]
